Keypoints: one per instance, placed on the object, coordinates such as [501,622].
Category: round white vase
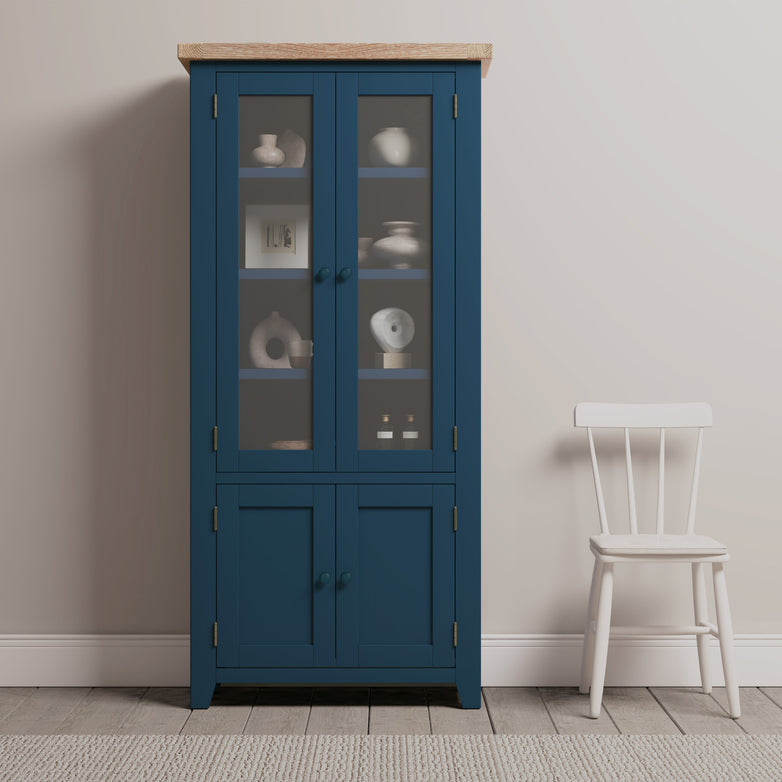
[273,328]
[390,147]
[400,249]
[268,154]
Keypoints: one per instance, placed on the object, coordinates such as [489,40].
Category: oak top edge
[188,52]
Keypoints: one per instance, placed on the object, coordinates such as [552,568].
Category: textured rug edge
[458,758]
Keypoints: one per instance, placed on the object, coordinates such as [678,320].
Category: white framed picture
[277,236]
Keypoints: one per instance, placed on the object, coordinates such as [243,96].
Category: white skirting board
[633,661]
[94,660]
[507,661]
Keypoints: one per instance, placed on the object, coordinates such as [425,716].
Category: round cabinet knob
[324,579]
[344,273]
[344,579]
[323,273]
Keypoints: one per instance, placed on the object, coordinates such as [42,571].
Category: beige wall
[632,234]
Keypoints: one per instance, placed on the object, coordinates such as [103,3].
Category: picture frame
[277,236]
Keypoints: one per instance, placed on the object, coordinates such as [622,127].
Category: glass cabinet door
[335,271]
[275,303]
[395,185]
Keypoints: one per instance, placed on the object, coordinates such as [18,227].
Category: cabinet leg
[469,694]
[201,694]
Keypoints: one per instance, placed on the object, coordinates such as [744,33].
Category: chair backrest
[690,415]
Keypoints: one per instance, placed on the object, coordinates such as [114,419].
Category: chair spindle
[696,471]
[661,486]
[630,485]
[601,508]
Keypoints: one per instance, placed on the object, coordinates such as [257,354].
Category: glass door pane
[394,272]
[275,273]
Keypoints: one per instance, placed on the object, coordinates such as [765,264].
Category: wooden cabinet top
[187,52]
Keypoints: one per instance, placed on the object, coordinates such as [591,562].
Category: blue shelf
[390,172]
[274,374]
[274,173]
[274,274]
[374,172]
[393,274]
[394,374]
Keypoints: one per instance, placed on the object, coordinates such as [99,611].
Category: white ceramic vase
[295,149]
[275,327]
[268,154]
[400,249]
[393,329]
[390,147]
[364,243]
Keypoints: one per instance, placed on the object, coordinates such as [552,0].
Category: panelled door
[310,578]
[275,584]
[395,576]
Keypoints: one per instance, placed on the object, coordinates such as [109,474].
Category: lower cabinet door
[395,576]
[275,576]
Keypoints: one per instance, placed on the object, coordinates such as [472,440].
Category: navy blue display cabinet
[335,365]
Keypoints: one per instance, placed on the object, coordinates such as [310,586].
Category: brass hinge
[454,439]
[454,105]
[454,633]
[214,439]
[454,518]
[214,106]
[214,635]
[214,518]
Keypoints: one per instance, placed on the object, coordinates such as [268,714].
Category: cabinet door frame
[441,87]
[440,499]
[231,653]
[202,382]
[230,87]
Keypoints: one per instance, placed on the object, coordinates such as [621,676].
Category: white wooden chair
[609,549]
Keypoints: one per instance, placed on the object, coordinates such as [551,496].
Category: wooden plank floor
[383,711]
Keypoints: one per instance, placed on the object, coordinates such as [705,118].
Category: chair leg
[725,628]
[602,629]
[701,615]
[588,652]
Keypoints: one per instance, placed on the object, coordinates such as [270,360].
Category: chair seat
[656,545]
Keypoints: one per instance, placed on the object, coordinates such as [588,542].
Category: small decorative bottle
[410,434]
[385,434]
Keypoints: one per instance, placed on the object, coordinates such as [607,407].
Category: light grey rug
[386,758]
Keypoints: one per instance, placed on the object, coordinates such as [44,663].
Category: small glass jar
[385,433]
[410,433]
